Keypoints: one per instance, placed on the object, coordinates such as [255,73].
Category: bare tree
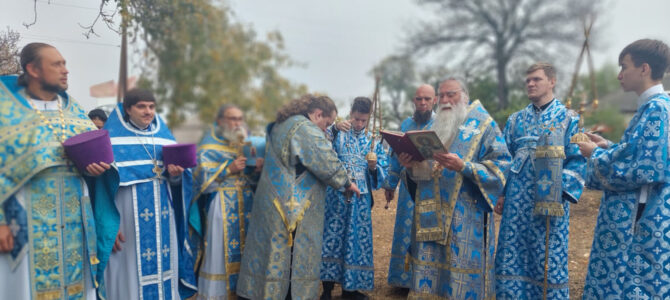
[9,52]
[398,81]
[492,34]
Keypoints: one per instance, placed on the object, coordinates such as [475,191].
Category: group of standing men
[530,173]
[138,229]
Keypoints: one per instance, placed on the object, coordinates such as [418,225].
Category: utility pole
[123,68]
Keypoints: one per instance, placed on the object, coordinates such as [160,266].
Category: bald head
[425,89]
[424,98]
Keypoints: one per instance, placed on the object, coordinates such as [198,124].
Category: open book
[420,144]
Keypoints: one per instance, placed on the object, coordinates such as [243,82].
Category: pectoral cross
[157,170]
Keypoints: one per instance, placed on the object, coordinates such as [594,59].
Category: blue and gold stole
[432,215]
[31,155]
[542,144]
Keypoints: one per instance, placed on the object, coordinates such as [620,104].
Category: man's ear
[32,69]
[316,114]
[646,70]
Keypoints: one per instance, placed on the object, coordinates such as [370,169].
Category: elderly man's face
[450,94]
[232,118]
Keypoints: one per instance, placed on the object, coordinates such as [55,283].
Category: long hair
[305,105]
[30,54]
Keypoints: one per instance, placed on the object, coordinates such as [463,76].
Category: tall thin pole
[123,68]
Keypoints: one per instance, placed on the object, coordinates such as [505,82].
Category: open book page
[426,142]
[420,144]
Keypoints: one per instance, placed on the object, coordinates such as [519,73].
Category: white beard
[447,122]
[235,135]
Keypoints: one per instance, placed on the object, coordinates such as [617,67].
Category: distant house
[626,103]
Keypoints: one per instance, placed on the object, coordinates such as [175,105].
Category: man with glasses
[399,272]
[452,241]
[546,175]
[223,182]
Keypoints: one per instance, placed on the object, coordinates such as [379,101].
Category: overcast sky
[338,41]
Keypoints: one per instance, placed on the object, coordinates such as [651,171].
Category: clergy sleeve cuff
[3,221]
[467,170]
[347,184]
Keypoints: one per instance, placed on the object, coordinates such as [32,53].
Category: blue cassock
[630,256]
[546,175]
[154,200]
[55,194]
[453,233]
[347,234]
[399,266]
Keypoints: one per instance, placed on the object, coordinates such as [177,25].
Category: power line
[49,2]
[58,39]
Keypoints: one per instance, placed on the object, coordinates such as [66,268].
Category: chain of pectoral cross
[156,169]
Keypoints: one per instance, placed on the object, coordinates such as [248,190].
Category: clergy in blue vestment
[451,253]
[399,273]
[546,176]
[282,255]
[140,211]
[47,233]
[223,181]
[630,255]
[347,235]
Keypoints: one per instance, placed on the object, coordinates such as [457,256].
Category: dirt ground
[582,221]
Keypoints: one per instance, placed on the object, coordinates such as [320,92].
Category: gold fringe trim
[57,294]
[554,209]
[430,235]
[550,152]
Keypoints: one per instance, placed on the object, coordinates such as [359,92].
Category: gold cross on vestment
[157,170]
[292,204]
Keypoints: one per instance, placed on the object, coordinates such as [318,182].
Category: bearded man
[452,246]
[399,268]
[224,184]
[47,232]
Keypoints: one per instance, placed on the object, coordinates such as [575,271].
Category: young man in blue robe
[453,231]
[139,208]
[347,235]
[546,176]
[282,256]
[399,274]
[47,233]
[630,256]
[224,182]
